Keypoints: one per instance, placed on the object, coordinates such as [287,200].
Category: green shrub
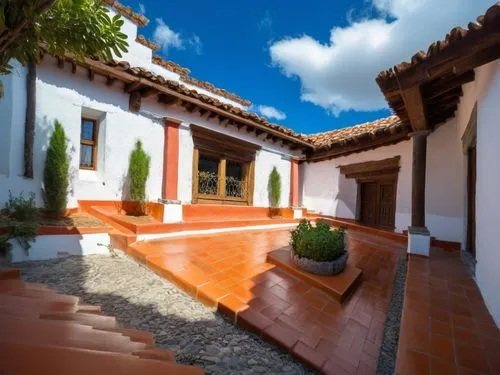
[319,243]
[22,208]
[138,171]
[24,233]
[56,173]
[274,188]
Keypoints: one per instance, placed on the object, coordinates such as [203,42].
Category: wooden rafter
[415,108]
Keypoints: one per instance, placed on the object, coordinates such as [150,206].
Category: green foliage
[22,208]
[79,27]
[138,171]
[319,243]
[274,188]
[56,173]
[23,232]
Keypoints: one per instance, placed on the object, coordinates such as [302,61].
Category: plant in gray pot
[319,249]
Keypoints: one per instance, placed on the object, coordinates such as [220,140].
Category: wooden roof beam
[415,108]
[449,84]
[169,100]
[132,86]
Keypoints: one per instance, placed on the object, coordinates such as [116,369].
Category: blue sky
[314,62]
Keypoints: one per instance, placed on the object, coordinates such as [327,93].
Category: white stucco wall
[488,181]
[67,97]
[268,156]
[327,192]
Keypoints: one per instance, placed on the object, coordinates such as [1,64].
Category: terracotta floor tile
[471,357]
[230,270]
[231,306]
[443,367]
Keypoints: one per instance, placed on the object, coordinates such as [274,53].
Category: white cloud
[196,43]
[339,75]
[166,37]
[266,22]
[271,112]
[142,8]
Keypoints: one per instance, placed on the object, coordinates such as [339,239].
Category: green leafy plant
[56,173]
[319,243]
[274,188]
[80,27]
[22,208]
[23,232]
[138,171]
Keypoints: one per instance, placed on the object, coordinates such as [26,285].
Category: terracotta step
[13,284]
[33,359]
[64,334]
[89,309]
[62,305]
[156,353]
[93,320]
[134,334]
[10,274]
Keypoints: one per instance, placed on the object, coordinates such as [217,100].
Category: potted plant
[319,249]
[138,171]
[274,187]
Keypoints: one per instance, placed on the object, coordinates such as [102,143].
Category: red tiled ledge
[338,286]
[47,230]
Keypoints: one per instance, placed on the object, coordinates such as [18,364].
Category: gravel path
[141,299]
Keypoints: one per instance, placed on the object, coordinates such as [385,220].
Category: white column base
[172,211]
[419,241]
[297,213]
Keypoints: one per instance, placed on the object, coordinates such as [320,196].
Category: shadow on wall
[346,198]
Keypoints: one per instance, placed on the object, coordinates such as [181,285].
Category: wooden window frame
[93,143]
[225,149]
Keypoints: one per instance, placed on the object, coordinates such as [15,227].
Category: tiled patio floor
[446,328]
[230,271]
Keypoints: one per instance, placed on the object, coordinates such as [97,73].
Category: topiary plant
[274,188]
[138,171]
[56,173]
[319,243]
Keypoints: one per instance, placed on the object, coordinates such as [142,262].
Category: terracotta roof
[127,12]
[184,73]
[170,65]
[377,128]
[181,89]
[148,43]
[455,35]
[209,87]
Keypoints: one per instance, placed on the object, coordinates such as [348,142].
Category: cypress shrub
[138,171]
[56,173]
[274,188]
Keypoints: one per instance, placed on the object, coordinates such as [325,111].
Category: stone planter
[333,267]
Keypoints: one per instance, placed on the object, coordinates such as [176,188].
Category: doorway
[378,203]
[471,201]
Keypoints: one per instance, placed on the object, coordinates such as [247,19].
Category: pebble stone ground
[141,299]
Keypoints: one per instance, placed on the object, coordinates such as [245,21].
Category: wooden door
[378,203]
[471,201]
[369,203]
[387,201]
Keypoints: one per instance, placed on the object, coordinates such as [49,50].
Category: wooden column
[294,183]
[418,178]
[170,160]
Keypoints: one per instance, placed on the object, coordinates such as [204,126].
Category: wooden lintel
[132,86]
[387,166]
[415,108]
[135,100]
